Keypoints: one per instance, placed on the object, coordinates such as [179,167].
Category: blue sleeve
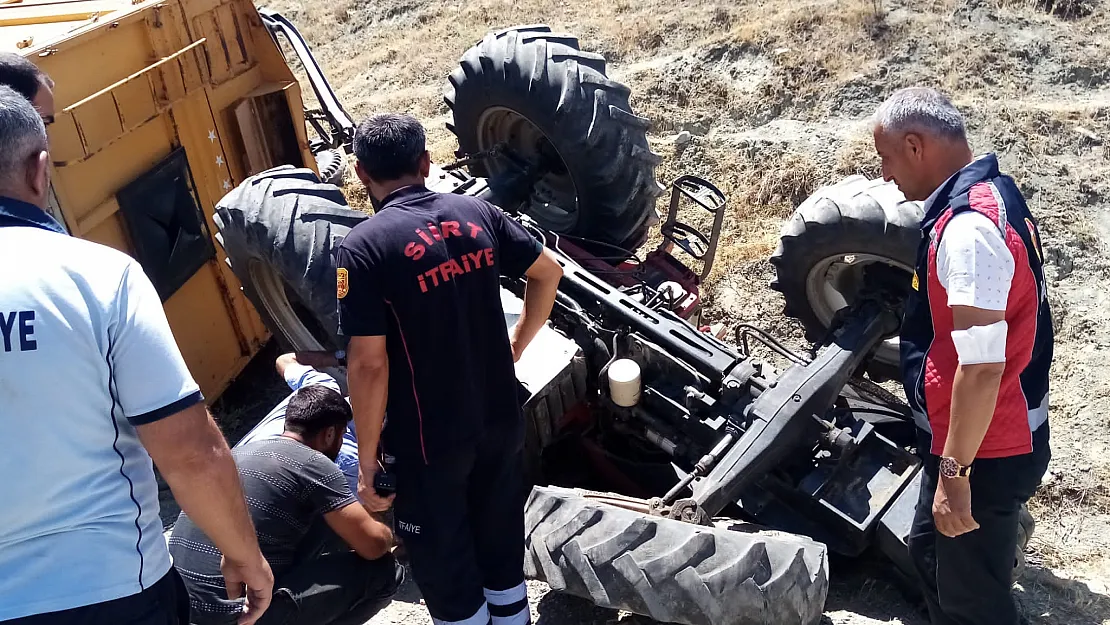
[298,375]
[150,378]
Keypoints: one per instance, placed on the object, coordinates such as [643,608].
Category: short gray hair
[921,110]
[22,133]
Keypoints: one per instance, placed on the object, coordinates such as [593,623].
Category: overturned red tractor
[677,475]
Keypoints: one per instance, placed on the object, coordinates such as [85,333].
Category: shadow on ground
[1048,599]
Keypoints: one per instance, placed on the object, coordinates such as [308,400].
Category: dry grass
[814,46]
[857,156]
[1063,510]
[356,193]
[789,181]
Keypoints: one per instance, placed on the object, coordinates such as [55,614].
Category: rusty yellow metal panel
[204,332]
[221,65]
[208,160]
[194,8]
[84,185]
[31,14]
[85,67]
[237,55]
[136,79]
[223,99]
[219,68]
[65,140]
[293,98]
[135,102]
[98,123]
[110,232]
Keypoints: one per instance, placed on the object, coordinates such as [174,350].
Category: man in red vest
[976,346]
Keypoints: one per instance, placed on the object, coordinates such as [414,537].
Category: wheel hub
[836,281]
[553,199]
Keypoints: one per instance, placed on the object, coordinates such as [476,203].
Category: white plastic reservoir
[624,382]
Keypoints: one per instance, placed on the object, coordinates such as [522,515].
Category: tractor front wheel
[827,245]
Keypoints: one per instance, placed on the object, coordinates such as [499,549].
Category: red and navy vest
[929,359]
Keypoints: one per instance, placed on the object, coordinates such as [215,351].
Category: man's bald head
[24,163]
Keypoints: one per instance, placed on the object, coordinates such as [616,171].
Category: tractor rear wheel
[552,106]
[279,229]
[829,241]
[672,571]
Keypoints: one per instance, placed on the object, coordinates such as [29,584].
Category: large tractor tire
[551,103]
[279,229]
[829,241]
[669,570]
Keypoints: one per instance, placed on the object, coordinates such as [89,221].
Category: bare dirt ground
[775,98]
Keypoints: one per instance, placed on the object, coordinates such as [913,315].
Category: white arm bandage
[979,345]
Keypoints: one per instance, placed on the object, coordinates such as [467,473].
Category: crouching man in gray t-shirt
[291,482]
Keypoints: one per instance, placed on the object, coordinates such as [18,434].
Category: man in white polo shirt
[92,387]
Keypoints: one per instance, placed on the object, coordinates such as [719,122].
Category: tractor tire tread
[669,570]
[287,219]
[548,79]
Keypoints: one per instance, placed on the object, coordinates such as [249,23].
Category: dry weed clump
[660,95]
[1062,537]
[858,156]
[788,180]
[812,47]
[637,34]
[356,193]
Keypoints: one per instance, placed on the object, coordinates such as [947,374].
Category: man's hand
[952,507]
[316,360]
[371,500]
[255,580]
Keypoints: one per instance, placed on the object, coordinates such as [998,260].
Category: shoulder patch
[341,283]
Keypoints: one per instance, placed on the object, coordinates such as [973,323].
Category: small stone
[683,138]
[1085,468]
[698,128]
[780,51]
[1089,135]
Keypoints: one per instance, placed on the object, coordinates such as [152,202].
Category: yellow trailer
[163,106]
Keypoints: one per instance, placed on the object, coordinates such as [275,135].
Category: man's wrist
[951,468]
[960,452]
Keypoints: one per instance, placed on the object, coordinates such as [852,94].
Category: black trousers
[461,518]
[966,580]
[336,588]
[164,603]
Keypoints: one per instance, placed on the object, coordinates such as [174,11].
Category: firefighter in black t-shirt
[420,300]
